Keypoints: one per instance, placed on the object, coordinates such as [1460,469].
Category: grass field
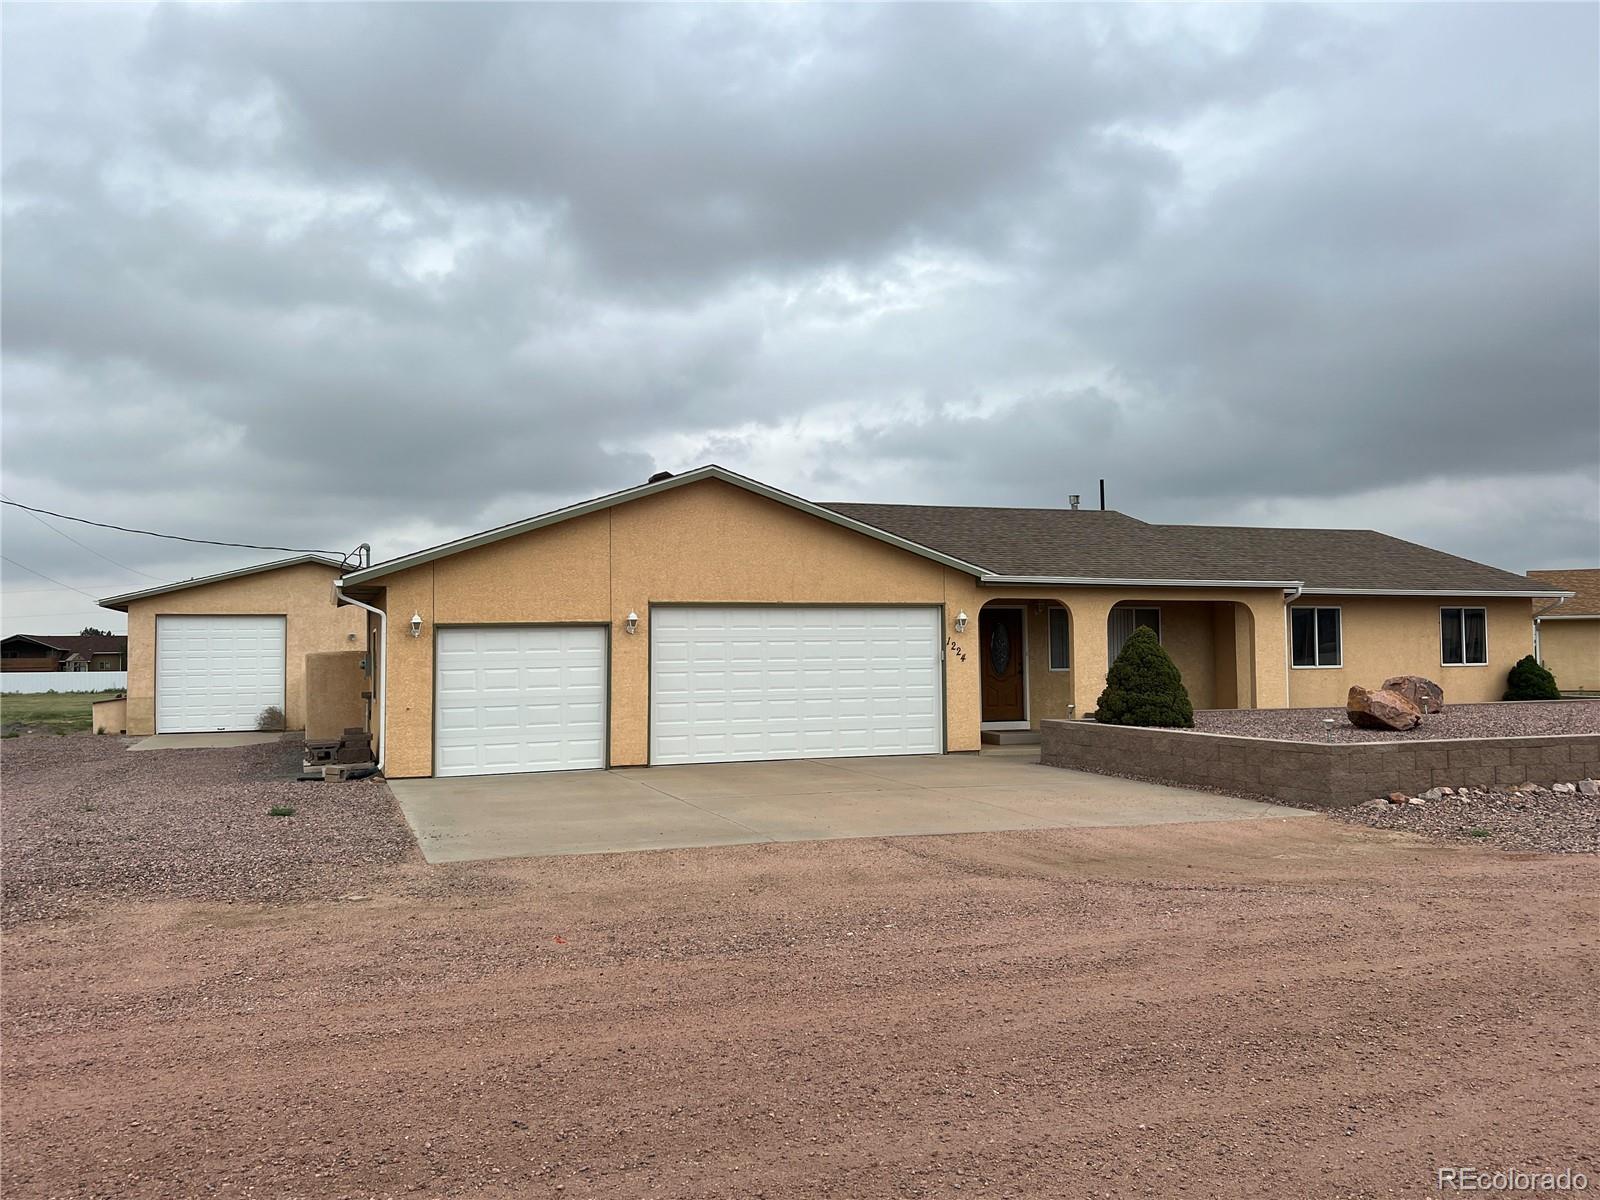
[63,712]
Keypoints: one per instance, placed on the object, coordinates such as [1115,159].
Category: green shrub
[1530,681]
[1144,687]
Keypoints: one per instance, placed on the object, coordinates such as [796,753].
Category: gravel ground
[86,818]
[1244,1009]
[1535,819]
[1528,718]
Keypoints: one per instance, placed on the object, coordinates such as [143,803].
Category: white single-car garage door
[519,698]
[747,683]
[218,673]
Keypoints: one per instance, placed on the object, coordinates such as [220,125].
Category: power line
[76,542]
[175,537]
[47,579]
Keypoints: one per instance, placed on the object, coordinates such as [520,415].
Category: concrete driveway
[660,808]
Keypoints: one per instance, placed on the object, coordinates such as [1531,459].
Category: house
[1567,632]
[708,617]
[77,652]
[218,653]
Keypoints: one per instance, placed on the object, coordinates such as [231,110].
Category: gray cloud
[321,274]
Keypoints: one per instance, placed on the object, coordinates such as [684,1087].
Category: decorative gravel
[84,817]
[1528,718]
[1534,818]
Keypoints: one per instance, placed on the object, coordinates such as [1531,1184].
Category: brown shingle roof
[1583,580]
[1089,543]
[116,643]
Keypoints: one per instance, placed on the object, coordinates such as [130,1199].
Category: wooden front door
[1001,666]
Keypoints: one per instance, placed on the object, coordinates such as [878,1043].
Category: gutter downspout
[1538,650]
[381,672]
[1289,597]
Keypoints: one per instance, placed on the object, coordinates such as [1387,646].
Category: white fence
[31,683]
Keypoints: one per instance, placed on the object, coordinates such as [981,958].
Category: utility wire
[76,542]
[47,578]
[176,537]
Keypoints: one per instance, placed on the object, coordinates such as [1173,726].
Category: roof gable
[120,603]
[600,503]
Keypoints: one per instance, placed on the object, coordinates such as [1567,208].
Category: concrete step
[1010,737]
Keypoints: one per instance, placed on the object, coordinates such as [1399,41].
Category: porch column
[1271,650]
[1088,618]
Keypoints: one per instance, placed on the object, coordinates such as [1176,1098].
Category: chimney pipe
[1102,495]
[1073,500]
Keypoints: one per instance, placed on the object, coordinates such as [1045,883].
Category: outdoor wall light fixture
[632,623]
[416,624]
[961,622]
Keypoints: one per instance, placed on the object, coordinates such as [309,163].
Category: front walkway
[660,808]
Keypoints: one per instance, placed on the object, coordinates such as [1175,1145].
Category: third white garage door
[739,683]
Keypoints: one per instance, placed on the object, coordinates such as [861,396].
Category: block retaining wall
[1331,774]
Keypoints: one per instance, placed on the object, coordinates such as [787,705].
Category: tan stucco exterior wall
[109,716]
[707,542]
[1571,649]
[1049,692]
[1399,635]
[302,594]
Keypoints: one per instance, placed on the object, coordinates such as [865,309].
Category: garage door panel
[749,683]
[218,672]
[513,699]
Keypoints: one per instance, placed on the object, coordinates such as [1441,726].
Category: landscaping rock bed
[84,818]
[1524,719]
[1530,818]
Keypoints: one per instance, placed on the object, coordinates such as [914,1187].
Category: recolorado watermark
[1510,1179]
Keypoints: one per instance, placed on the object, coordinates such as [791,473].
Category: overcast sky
[317,275]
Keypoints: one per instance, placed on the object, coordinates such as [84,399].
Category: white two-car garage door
[519,698]
[218,673]
[745,683]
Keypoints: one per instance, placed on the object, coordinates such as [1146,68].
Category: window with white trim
[1315,638]
[1060,642]
[1125,620]
[1463,637]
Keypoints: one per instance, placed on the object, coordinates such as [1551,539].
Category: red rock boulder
[1424,693]
[1381,710]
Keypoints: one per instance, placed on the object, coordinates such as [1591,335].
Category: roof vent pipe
[1102,495]
[1073,500]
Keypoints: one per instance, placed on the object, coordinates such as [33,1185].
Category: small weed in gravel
[281,810]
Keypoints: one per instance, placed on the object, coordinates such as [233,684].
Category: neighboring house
[77,652]
[216,653]
[1567,632]
[707,617]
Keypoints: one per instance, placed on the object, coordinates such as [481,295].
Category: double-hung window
[1463,637]
[1315,637]
[1060,644]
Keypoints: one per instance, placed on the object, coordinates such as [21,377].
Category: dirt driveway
[1254,1008]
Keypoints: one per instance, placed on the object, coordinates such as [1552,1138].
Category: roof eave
[1470,593]
[613,499]
[1100,581]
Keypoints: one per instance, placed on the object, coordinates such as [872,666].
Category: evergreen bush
[1528,680]
[1144,687]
